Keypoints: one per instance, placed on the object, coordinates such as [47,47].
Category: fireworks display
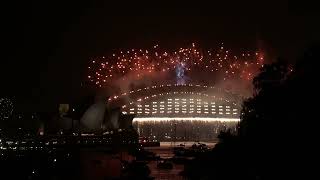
[180,73]
[185,64]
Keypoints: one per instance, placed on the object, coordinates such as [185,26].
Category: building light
[199,112]
[220,112]
[220,109]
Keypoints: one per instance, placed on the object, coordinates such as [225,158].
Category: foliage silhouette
[277,134]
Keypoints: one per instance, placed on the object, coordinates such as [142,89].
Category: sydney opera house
[99,118]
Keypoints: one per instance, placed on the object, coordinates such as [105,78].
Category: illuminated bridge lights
[150,119]
[189,112]
[124,94]
[183,107]
[192,93]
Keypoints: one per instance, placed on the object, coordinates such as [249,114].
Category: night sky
[47,45]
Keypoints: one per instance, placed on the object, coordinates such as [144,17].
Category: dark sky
[47,44]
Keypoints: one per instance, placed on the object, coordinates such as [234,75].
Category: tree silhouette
[271,75]
[278,129]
